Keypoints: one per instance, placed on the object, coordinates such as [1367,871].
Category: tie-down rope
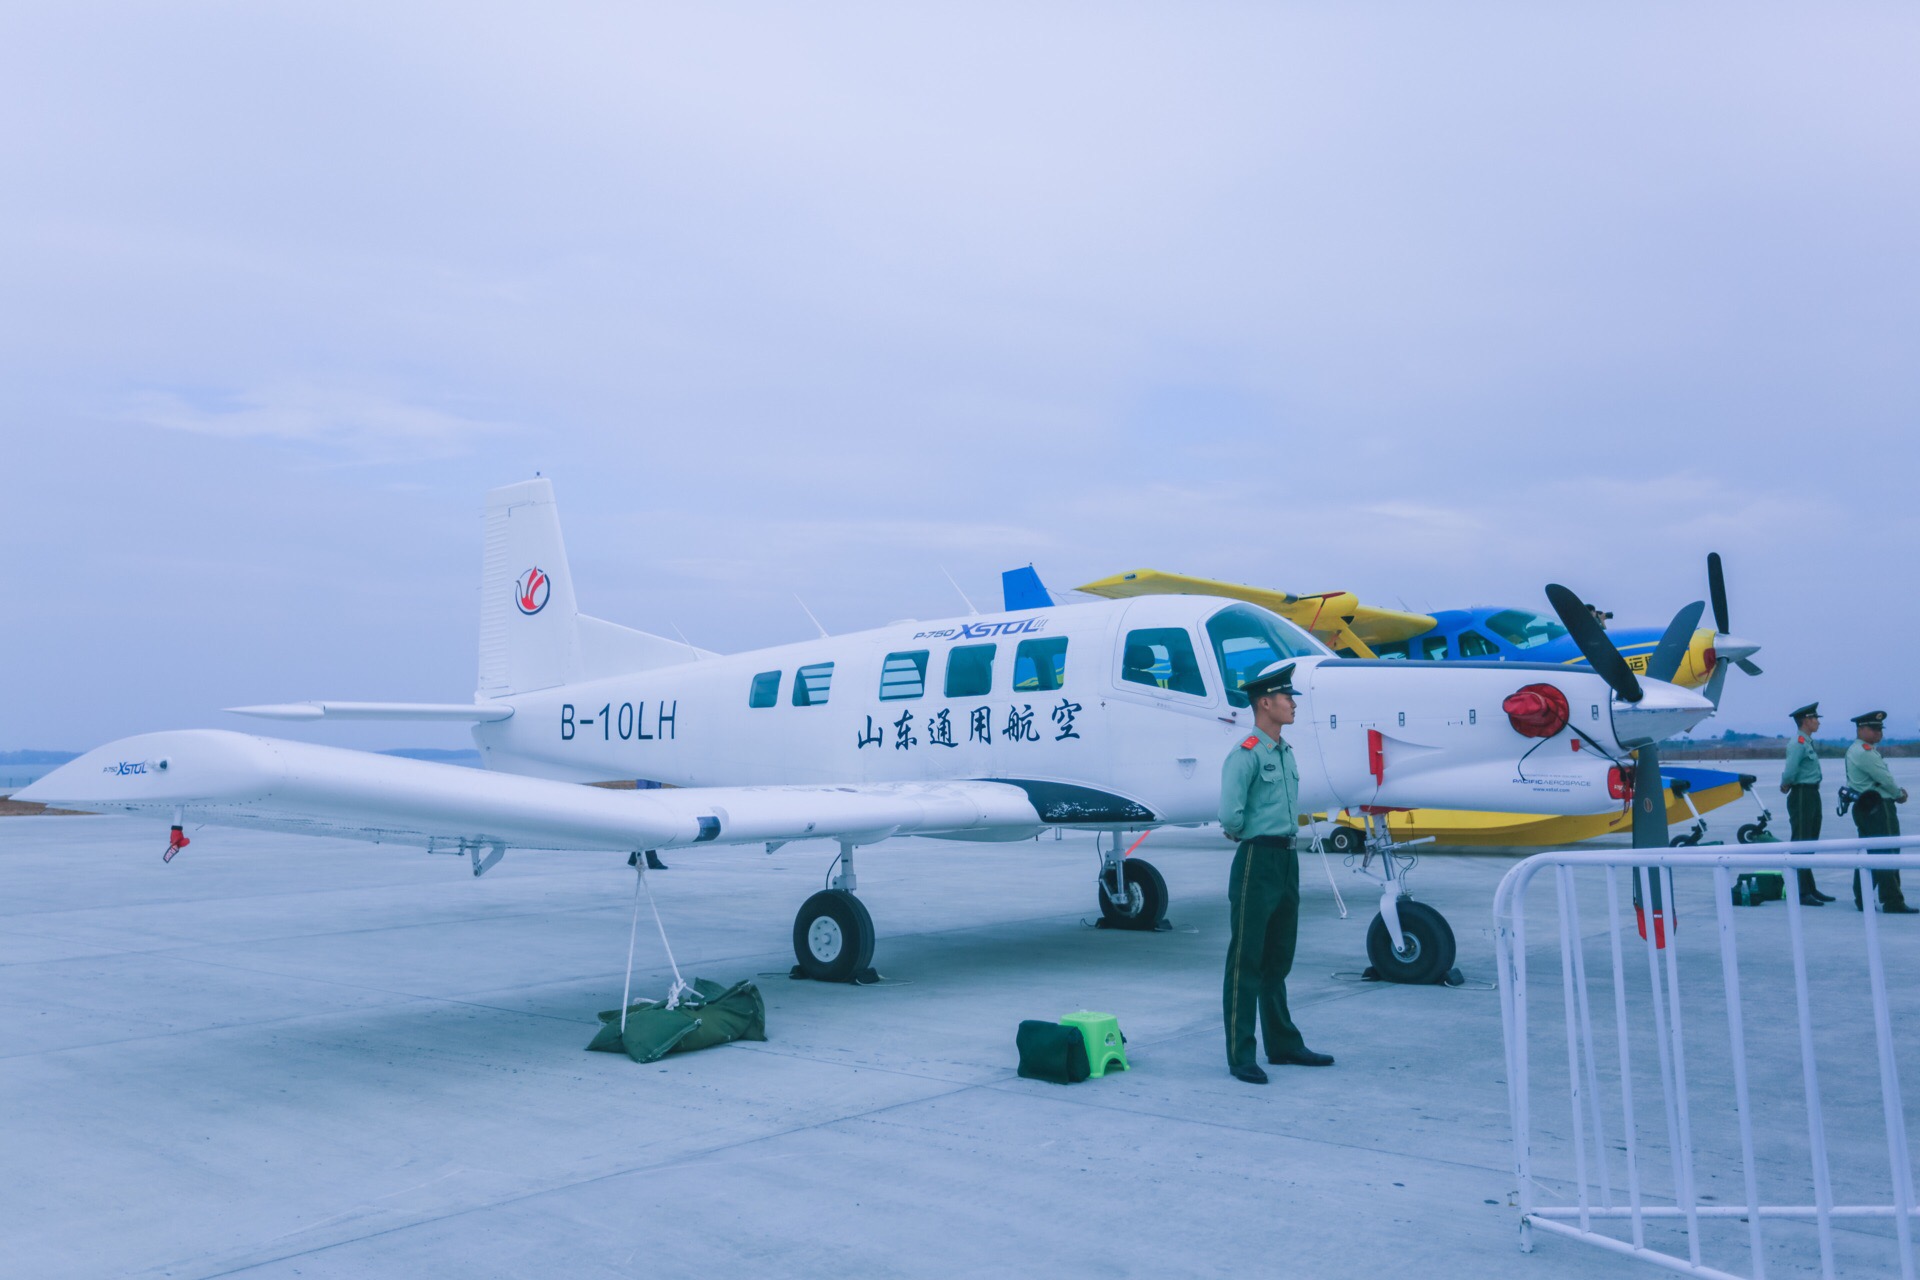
[633,930]
[1321,849]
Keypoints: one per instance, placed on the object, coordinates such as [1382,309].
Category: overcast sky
[1436,303]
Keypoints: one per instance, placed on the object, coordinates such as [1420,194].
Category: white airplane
[984,728]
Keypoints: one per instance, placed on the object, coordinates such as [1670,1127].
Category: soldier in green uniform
[1800,783]
[1873,812]
[1260,810]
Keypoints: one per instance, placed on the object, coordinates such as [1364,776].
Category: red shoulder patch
[1803,737]
[1252,741]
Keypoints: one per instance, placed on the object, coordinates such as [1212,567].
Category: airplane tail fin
[1022,589]
[532,633]
[529,636]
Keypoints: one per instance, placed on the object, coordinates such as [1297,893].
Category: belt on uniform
[1276,843]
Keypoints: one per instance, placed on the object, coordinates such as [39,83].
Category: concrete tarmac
[282,1056]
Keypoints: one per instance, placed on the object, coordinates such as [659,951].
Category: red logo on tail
[531,591]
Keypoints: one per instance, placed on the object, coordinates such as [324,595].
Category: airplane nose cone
[1666,709]
[1733,648]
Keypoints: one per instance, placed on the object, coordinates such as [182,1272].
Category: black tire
[833,936]
[1343,840]
[1749,833]
[1682,842]
[1146,904]
[1429,953]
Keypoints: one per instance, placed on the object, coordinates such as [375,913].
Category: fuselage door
[1158,658]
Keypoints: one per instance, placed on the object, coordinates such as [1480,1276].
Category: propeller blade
[1594,645]
[1747,665]
[1717,591]
[1674,641]
[1717,682]
[1649,801]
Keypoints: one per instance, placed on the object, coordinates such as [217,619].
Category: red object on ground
[1537,711]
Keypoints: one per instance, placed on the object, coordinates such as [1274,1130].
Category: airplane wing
[234,779]
[1336,618]
[459,712]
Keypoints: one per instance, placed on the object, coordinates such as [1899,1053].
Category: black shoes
[1302,1058]
[1824,897]
[1813,900]
[1901,909]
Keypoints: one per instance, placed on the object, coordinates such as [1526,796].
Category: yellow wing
[1336,618]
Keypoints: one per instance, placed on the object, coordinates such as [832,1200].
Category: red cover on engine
[1537,710]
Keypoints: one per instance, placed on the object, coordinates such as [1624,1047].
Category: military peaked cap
[1276,677]
[1811,709]
[1872,720]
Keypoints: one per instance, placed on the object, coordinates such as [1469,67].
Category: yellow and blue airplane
[1486,634]
[1354,630]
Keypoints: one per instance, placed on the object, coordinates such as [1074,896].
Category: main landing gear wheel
[1428,953]
[832,937]
[1146,904]
[1750,833]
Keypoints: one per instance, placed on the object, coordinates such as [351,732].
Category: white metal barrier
[1572,1191]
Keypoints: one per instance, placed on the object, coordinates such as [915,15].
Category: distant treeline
[1754,746]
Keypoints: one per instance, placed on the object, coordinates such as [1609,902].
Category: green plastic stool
[1105,1044]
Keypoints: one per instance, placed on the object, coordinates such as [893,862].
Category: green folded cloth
[710,1014]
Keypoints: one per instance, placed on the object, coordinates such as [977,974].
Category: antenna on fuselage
[683,638]
[810,618]
[963,595]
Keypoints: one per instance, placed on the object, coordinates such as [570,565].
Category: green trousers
[1263,903]
[1803,819]
[1873,815]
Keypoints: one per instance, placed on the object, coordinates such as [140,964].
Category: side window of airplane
[1524,630]
[811,685]
[1040,665]
[1433,648]
[765,691]
[1475,645]
[970,670]
[1397,651]
[904,675]
[1162,658]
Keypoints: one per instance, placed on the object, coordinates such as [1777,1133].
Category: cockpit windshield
[1524,630]
[1246,640]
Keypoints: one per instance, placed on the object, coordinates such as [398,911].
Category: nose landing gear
[1408,941]
[1425,953]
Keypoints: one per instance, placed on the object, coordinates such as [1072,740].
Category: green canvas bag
[708,1015]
